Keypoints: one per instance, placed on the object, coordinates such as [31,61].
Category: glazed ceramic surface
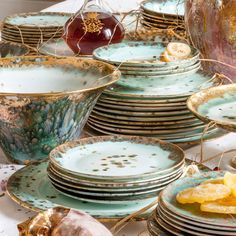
[117,157]
[39,19]
[140,54]
[217,105]
[168,7]
[165,86]
[12,50]
[192,212]
[47,102]
[31,188]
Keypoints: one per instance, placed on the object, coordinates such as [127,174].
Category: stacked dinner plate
[172,218]
[150,98]
[163,14]
[33,29]
[110,169]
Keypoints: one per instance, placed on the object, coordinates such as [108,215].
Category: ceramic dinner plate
[217,105]
[140,54]
[39,20]
[31,188]
[192,211]
[168,7]
[116,158]
[170,86]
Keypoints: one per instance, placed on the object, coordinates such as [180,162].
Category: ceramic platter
[217,105]
[109,169]
[22,189]
[188,219]
[34,29]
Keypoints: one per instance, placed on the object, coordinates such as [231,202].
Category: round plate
[169,7]
[155,229]
[144,119]
[192,211]
[140,54]
[38,20]
[140,113]
[174,128]
[117,158]
[186,122]
[31,188]
[171,86]
[217,105]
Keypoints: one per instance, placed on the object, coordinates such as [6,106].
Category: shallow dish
[217,105]
[140,54]
[31,188]
[117,158]
[46,101]
[8,49]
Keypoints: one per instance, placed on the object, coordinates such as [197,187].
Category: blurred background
[16,6]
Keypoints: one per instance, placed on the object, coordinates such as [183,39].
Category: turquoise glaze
[45,102]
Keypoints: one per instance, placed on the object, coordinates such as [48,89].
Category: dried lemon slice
[223,206]
[230,181]
[214,181]
[165,57]
[203,193]
[179,50]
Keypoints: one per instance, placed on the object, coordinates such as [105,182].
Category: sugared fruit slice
[222,206]
[203,193]
[230,181]
[214,181]
[179,50]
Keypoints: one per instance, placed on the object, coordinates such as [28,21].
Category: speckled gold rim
[205,95]
[36,209]
[59,61]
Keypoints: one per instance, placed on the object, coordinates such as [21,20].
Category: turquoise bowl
[46,101]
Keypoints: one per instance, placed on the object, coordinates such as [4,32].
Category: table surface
[11,214]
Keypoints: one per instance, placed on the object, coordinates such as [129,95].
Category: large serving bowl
[8,49]
[46,101]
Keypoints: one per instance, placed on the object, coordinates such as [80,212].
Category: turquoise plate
[217,105]
[140,54]
[171,86]
[31,188]
[168,7]
[117,158]
[192,211]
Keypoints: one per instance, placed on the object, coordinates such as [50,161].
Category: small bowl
[62,221]
[46,101]
[8,49]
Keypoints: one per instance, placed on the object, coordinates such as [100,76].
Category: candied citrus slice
[223,206]
[165,57]
[214,181]
[230,181]
[203,193]
[179,50]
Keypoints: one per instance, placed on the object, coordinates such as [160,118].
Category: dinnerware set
[150,97]
[163,15]
[33,29]
[173,218]
[110,169]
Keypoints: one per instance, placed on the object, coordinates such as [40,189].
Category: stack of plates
[172,218]
[110,169]
[163,14]
[33,29]
[149,104]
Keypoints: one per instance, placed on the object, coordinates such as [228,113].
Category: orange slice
[230,181]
